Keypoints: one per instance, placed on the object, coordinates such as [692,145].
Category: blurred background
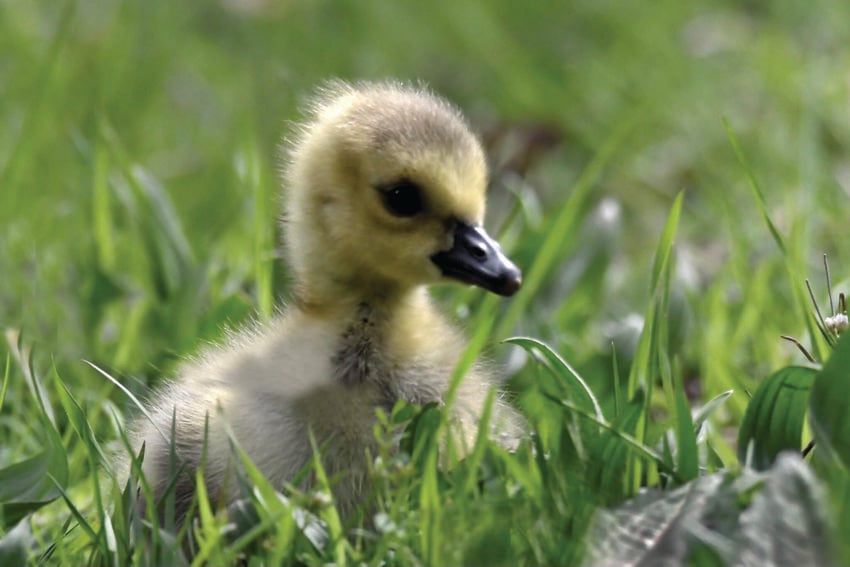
[139,155]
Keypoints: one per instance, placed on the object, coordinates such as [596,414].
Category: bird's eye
[403,198]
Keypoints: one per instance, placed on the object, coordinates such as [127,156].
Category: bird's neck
[399,328]
[379,302]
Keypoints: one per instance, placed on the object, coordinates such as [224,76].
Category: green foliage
[775,416]
[667,175]
[777,518]
[828,405]
[29,484]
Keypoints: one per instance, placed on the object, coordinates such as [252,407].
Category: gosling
[385,194]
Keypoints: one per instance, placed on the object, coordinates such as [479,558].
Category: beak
[477,259]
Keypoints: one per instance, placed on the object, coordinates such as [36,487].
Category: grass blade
[577,388]
[631,441]
[755,188]
[568,219]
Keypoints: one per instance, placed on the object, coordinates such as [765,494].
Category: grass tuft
[668,176]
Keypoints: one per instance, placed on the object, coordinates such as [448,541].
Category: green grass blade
[577,389]
[703,413]
[6,373]
[755,188]
[652,344]
[77,416]
[474,459]
[663,266]
[263,228]
[640,448]
[687,454]
[210,534]
[661,261]
[94,536]
[609,457]
[800,298]
[644,365]
[618,388]
[473,349]
[23,356]
[104,230]
[551,250]
[136,402]
[160,224]
[329,514]
[36,108]
[29,484]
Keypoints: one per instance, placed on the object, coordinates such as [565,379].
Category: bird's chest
[364,361]
[358,358]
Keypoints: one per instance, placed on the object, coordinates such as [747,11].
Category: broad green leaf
[830,403]
[775,416]
[26,486]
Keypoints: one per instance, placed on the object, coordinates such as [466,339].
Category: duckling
[384,195]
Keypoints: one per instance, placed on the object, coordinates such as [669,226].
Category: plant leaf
[652,528]
[576,388]
[775,416]
[828,404]
[702,522]
[29,484]
[703,413]
[786,525]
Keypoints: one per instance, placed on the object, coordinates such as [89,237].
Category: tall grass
[667,176]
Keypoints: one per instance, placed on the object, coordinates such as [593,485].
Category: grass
[667,176]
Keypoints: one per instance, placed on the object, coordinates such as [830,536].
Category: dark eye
[403,199]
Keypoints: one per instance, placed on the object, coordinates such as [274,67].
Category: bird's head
[386,190]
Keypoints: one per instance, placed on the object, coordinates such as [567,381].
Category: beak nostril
[478,251]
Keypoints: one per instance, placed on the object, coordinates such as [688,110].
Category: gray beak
[477,259]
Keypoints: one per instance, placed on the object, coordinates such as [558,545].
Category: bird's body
[385,194]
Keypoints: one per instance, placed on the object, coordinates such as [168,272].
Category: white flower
[837,323]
